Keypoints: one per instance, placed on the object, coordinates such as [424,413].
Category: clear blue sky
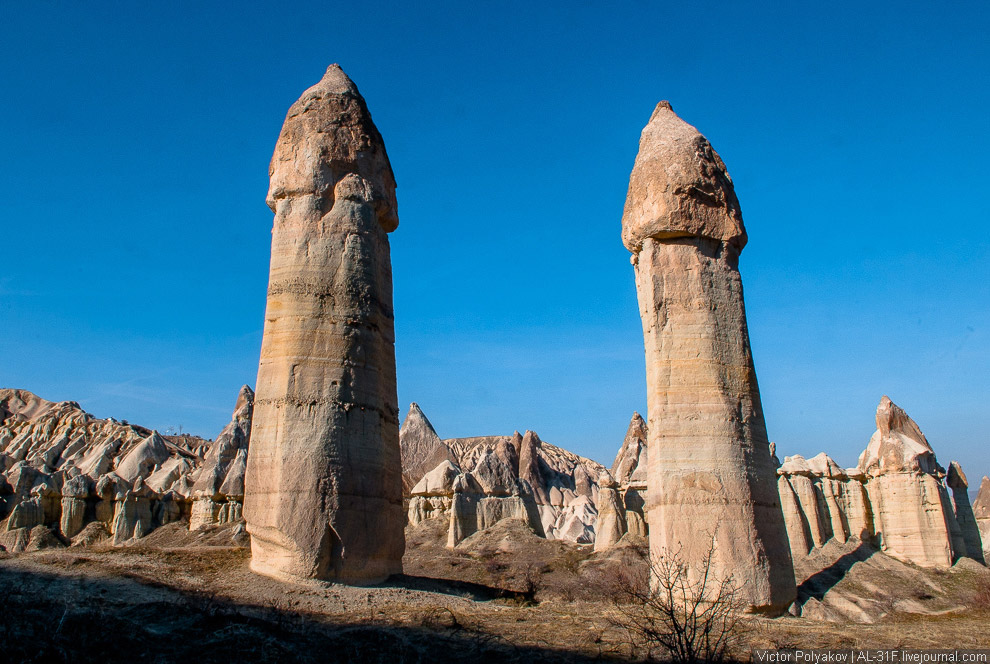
[135,236]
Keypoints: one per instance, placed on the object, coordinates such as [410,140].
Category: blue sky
[135,236]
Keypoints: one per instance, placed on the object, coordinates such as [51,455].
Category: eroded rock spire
[323,487]
[710,473]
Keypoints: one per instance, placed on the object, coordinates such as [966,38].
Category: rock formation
[969,529]
[709,461]
[630,471]
[485,479]
[894,498]
[909,501]
[421,447]
[822,501]
[324,486]
[63,470]
[219,487]
[611,524]
[981,511]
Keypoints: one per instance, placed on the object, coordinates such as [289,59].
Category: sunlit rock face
[912,512]
[710,472]
[482,480]
[63,470]
[981,511]
[897,498]
[323,481]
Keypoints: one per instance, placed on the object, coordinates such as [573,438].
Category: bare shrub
[981,596]
[687,613]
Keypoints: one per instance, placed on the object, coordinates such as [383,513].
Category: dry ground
[503,596]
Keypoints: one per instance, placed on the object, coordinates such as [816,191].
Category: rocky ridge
[68,476]
[482,480]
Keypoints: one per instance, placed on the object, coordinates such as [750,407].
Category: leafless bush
[981,598]
[685,612]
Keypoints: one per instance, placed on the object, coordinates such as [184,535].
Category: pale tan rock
[611,524]
[981,505]
[143,459]
[576,521]
[323,486]
[74,494]
[822,502]
[529,468]
[799,535]
[908,499]
[710,470]
[438,482]
[632,460]
[421,447]
[218,490]
[972,540]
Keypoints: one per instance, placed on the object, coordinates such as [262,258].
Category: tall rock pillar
[323,489]
[710,473]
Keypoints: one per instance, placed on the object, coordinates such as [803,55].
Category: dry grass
[179,596]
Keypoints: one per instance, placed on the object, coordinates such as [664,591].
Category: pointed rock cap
[679,187]
[955,477]
[823,465]
[416,418]
[328,139]
[898,445]
[631,461]
[420,447]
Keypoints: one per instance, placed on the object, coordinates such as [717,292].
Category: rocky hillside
[482,480]
[67,475]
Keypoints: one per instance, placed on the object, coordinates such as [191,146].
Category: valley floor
[502,596]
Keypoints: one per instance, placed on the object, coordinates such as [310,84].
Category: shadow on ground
[54,619]
[818,584]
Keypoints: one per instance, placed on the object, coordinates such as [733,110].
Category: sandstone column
[323,494]
[710,473]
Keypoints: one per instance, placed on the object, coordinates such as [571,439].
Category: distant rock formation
[421,447]
[822,501]
[630,472]
[480,481]
[324,486]
[218,491]
[981,512]
[709,457]
[64,471]
[895,497]
[971,544]
[908,498]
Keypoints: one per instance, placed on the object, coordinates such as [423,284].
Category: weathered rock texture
[65,470]
[219,487]
[324,487]
[981,511]
[895,498]
[710,471]
[909,501]
[422,449]
[822,501]
[480,481]
[969,529]
[630,472]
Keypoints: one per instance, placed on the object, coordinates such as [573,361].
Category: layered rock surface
[710,469]
[898,497]
[630,472]
[324,487]
[485,479]
[981,512]
[67,471]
